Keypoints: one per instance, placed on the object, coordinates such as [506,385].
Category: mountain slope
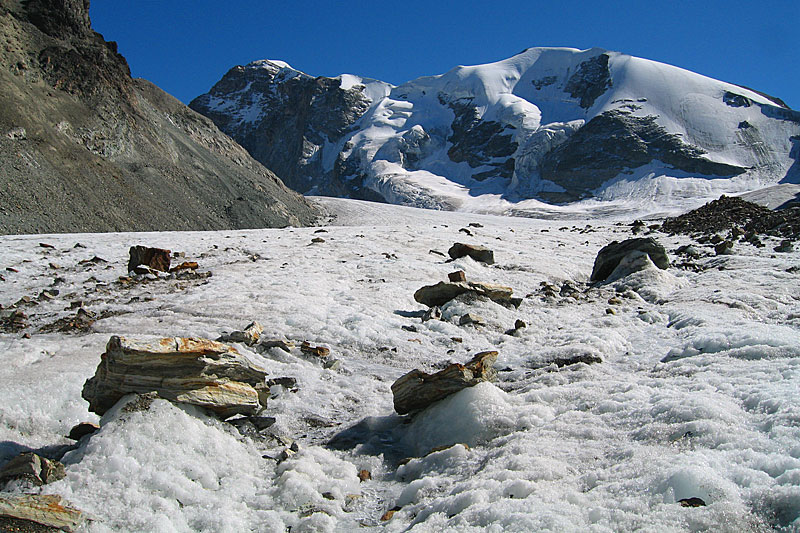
[84,147]
[556,124]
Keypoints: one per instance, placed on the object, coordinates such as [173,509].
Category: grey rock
[417,390]
[478,253]
[434,313]
[442,292]
[471,319]
[196,371]
[723,248]
[612,254]
[250,335]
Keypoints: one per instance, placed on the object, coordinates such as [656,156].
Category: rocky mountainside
[555,124]
[84,147]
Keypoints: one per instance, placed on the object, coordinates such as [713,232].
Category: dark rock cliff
[84,147]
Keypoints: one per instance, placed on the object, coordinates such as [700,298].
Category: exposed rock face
[417,390]
[95,150]
[612,255]
[616,140]
[38,512]
[443,292]
[551,123]
[591,79]
[480,142]
[287,120]
[196,371]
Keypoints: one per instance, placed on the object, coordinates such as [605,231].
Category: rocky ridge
[85,147]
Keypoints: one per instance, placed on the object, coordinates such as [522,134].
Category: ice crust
[696,395]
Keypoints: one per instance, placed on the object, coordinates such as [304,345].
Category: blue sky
[185,47]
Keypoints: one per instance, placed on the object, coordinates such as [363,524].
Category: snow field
[696,395]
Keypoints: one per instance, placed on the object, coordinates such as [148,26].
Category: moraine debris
[417,390]
[317,351]
[79,431]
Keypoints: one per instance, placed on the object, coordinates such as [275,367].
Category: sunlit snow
[696,395]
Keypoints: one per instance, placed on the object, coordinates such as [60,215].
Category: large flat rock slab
[196,371]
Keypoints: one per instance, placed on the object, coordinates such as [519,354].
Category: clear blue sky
[186,46]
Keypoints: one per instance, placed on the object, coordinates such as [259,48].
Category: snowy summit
[550,124]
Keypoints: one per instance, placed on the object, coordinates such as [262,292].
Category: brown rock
[478,253]
[417,390]
[30,510]
[186,265]
[317,351]
[81,430]
[197,371]
[364,475]
[154,258]
[458,275]
[33,468]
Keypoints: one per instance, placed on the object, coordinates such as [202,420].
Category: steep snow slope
[696,394]
[556,124]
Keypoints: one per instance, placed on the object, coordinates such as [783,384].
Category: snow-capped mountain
[555,124]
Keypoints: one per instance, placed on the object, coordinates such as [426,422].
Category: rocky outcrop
[38,513]
[417,390]
[96,150]
[611,256]
[286,119]
[590,80]
[617,140]
[196,371]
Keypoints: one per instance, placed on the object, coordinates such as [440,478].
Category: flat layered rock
[417,389]
[444,291]
[196,371]
[38,512]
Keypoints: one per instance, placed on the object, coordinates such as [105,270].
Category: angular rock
[434,313]
[478,253]
[610,256]
[471,319]
[196,371]
[417,389]
[458,275]
[443,292]
[317,351]
[186,265]
[24,512]
[33,468]
[154,258]
[249,335]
